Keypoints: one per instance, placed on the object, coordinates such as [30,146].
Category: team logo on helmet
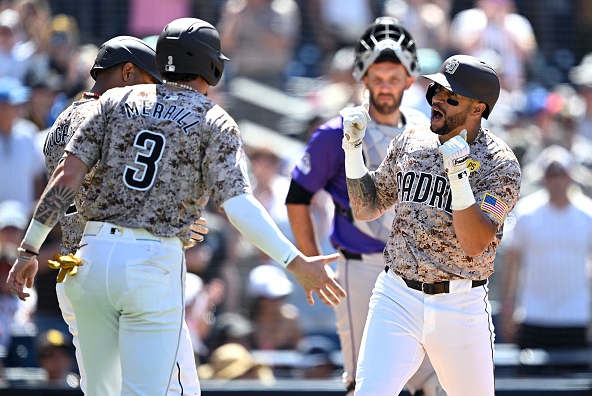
[451,66]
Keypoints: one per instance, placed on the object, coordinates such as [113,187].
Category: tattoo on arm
[362,192]
[53,204]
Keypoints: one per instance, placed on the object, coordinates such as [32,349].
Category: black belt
[434,287]
[350,256]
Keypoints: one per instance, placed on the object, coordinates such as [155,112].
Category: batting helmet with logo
[385,40]
[125,49]
[467,76]
[190,45]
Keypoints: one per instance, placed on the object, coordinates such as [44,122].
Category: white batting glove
[455,153]
[355,120]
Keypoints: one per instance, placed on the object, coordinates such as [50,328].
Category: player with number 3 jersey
[160,151]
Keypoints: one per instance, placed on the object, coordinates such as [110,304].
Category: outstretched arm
[314,275]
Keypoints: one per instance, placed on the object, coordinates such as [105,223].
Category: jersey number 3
[142,176]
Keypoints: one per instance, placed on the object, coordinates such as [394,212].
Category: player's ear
[410,81]
[127,70]
[478,108]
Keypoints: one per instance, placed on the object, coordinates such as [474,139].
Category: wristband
[460,188]
[23,250]
[29,259]
[36,234]
[354,163]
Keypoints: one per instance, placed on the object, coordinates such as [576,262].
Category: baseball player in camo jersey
[386,62]
[161,151]
[121,61]
[451,186]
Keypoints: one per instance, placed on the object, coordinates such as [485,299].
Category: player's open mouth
[437,115]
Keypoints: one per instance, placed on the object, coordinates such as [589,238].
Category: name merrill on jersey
[146,108]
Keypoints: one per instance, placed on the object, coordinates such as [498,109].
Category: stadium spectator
[22,170]
[14,56]
[427,20]
[259,36]
[318,360]
[231,327]
[494,25]
[275,322]
[232,362]
[55,354]
[547,296]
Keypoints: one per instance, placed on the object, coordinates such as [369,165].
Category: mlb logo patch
[494,205]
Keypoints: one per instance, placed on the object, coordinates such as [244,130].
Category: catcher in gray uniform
[160,152]
[451,186]
[120,61]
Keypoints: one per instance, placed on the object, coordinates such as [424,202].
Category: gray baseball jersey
[413,179]
[186,149]
[59,135]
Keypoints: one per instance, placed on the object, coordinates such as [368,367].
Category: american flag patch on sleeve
[494,205]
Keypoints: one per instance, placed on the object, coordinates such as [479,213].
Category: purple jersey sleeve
[323,167]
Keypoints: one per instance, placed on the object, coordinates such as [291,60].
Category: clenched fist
[455,153]
[355,120]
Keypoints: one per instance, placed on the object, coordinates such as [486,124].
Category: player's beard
[452,123]
[385,109]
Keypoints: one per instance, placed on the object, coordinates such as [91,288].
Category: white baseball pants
[128,304]
[454,329]
[358,279]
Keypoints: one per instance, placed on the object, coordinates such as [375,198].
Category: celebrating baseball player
[121,61]
[161,151]
[386,62]
[451,187]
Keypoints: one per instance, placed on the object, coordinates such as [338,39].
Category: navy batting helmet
[190,45]
[467,76]
[125,49]
[385,40]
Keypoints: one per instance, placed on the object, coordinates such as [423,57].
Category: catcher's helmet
[467,76]
[125,49]
[190,45]
[385,40]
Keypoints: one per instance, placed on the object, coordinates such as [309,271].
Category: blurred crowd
[238,302]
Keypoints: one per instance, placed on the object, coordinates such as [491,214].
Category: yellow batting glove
[66,264]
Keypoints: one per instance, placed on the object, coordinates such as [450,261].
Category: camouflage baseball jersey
[59,135]
[162,154]
[376,143]
[422,245]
